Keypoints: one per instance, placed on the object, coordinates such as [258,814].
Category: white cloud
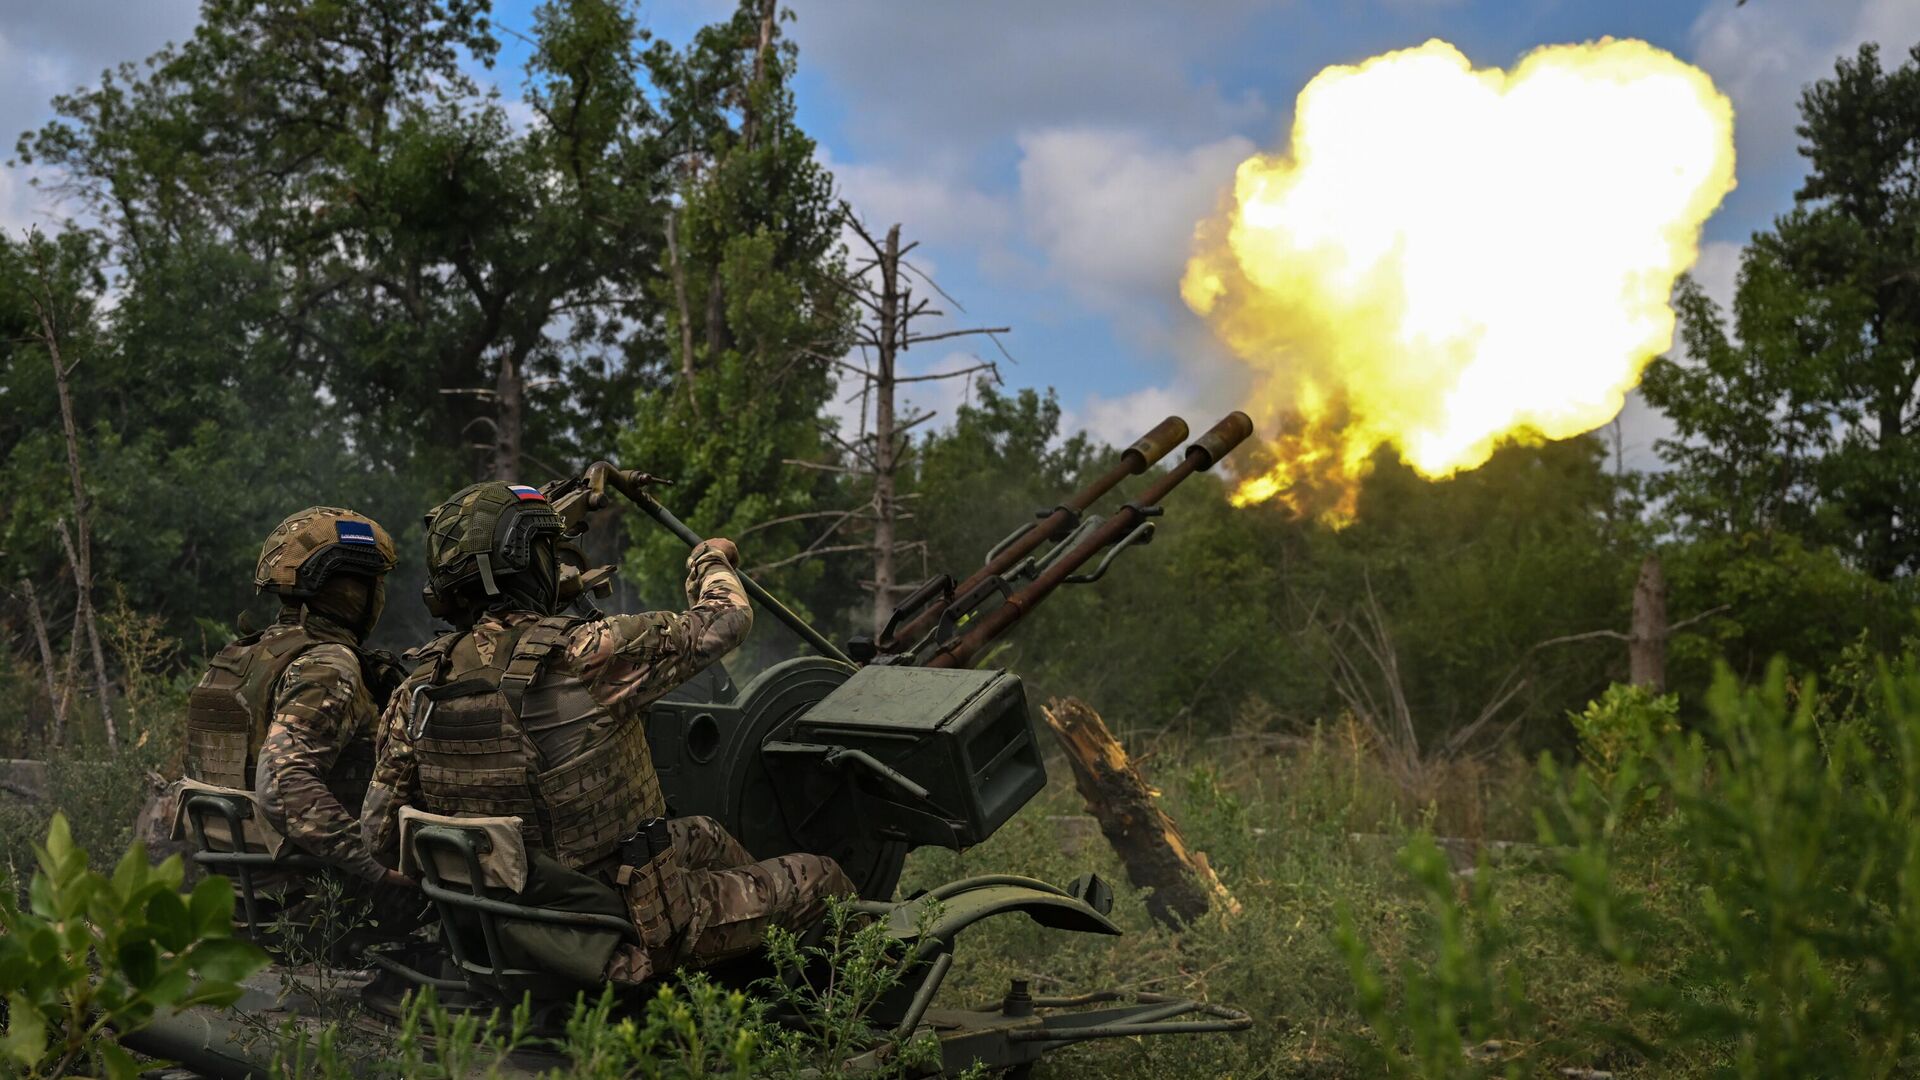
[932,208]
[1762,55]
[1114,211]
[939,82]
[48,49]
[1118,421]
[1640,426]
[1718,271]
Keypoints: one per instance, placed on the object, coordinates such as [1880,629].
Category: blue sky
[1053,157]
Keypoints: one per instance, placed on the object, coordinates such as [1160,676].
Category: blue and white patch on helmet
[354,532]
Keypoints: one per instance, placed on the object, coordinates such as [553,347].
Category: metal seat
[232,838]
[452,857]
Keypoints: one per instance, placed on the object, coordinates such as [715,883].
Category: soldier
[291,712]
[525,712]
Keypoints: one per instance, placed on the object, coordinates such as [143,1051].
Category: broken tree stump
[1149,844]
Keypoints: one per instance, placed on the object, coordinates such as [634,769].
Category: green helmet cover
[484,533]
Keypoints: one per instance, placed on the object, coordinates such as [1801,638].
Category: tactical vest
[475,754]
[229,710]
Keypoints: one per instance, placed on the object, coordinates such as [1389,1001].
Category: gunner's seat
[232,836]
[515,922]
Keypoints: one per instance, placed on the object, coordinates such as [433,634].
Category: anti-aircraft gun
[864,753]
[897,741]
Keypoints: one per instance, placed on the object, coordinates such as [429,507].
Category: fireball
[1446,259]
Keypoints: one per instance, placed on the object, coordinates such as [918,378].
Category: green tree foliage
[341,273]
[756,308]
[1803,419]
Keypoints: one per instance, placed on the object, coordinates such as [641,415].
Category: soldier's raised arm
[643,656]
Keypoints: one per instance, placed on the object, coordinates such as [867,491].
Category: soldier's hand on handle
[399,880]
[726,549]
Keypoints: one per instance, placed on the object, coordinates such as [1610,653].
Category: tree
[753,286]
[1806,419]
[435,273]
[876,456]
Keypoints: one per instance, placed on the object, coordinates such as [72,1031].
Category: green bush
[1458,999]
[1798,837]
[1746,896]
[92,954]
[810,1019]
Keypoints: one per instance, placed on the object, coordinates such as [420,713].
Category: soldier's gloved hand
[726,549]
[398,880]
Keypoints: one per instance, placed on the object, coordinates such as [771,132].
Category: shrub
[1799,841]
[91,954]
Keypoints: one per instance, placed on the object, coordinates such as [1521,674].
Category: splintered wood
[1148,842]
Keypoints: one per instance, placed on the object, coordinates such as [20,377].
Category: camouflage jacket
[318,748]
[625,660]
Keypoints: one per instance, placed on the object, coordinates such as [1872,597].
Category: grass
[1298,836]
[1737,896]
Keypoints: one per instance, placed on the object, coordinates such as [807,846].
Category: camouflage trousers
[733,901]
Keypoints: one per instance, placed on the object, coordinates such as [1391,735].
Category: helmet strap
[485,560]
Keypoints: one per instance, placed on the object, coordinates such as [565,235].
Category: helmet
[309,546]
[484,533]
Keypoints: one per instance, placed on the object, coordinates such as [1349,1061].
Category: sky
[1052,158]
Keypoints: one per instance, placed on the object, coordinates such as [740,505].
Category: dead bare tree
[1366,674]
[55,701]
[55,317]
[1648,629]
[880,284]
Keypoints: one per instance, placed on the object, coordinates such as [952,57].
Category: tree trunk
[83,619]
[81,553]
[510,400]
[1146,839]
[1647,636]
[883,432]
[54,702]
[750,114]
[679,272]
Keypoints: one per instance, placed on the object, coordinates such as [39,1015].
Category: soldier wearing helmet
[526,712]
[290,712]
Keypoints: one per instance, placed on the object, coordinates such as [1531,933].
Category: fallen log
[1183,887]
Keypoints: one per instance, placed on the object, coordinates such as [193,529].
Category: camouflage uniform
[292,712]
[318,752]
[734,900]
[705,899]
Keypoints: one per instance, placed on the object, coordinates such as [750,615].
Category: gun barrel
[1134,460]
[1219,441]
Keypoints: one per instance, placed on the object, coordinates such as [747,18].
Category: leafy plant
[832,987]
[92,954]
[697,1029]
[1796,837]
[1455,1008]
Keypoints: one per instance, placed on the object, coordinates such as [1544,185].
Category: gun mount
[865,761]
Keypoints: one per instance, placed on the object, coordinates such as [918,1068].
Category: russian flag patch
[354,532]
[527,494]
